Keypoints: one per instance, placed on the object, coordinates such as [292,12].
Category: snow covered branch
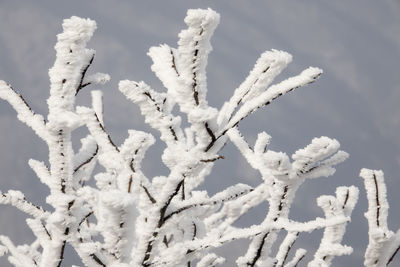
[283,178]
[24,111]
[117,216]
[342,204]
[17,199]
[156,109]
[383,244]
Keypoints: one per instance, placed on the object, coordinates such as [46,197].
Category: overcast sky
[356,101]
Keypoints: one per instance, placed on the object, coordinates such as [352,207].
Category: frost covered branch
[17,199]
[383,244]
[343,204]
[117,216]
[24,111]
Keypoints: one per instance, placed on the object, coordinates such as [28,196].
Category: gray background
[357,43]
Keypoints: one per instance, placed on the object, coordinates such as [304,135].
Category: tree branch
[24,111]
[17,199]
[81,85]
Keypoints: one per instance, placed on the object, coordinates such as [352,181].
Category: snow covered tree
[127,219]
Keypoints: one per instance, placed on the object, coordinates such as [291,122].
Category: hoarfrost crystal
[129,219]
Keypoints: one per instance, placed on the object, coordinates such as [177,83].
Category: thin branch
[164,208]
[151,198]
[300,254]
[393,255]
[21,258]
[98,132]
[17,199]
[210,202]
[104,131]
[308,76]
[84,219]
[379,234]
[259,250]
[24,111]
[285,248]
[194,74]
[61,257]
[81,85]
[97,260]
[161,221]
[212,159]
[87,160]
[173,64]
[378,205]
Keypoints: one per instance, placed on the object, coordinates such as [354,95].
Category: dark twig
[234,124]
[212,159]
[247,91]
[302,257]
[81,85]
[259,250]
[161,221]
[288,248]
[97,260]
[151,198]
[47,231]
[378,205]
[194,78]
[211,202]
[173,63]
[108,136]
[88,160]
[346,198]
[393,255]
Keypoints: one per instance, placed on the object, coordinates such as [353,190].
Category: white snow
[129,219]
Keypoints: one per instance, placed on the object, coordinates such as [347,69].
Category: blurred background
[356,101]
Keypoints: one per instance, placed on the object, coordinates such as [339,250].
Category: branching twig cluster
[129,219]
